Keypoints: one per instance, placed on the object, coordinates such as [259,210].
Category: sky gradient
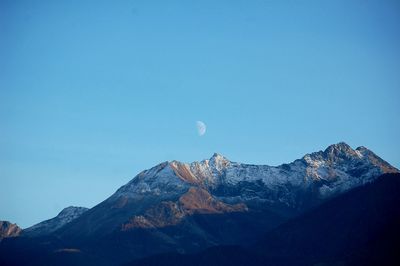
[93,92]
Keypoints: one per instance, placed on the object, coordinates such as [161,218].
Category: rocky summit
[188,207]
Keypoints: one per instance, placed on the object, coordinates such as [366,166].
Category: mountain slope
[49,226]
[186,208]
[287,189]
[149,207]
[8,229]
[359,227]
[195,201]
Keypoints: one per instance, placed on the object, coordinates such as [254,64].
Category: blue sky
[92,92]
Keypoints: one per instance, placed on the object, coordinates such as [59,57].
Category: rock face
[49,226]
[195,201]
[358,227]
[8,229]
[318,175]
[187,207]
[173,194]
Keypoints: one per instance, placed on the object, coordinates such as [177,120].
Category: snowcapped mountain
[322,174]
[187,207]
[49,226]
[171,193]
[358,227]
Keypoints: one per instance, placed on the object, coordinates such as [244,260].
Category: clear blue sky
[92,92]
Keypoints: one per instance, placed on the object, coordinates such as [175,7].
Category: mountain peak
[341,146]
[337,164]
[218,161]
[341,150]
[334,152]
[218,157]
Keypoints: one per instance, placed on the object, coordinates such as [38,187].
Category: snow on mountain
[323,173]
[65,216]
[157,196]
[190,206]
[160,180]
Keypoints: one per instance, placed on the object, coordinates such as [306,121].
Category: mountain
[49,226]
[293,186]
[8,229]
[358,227]
[188,207]
[321,175]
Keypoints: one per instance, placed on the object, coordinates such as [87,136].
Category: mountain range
[358,227]
[203,210]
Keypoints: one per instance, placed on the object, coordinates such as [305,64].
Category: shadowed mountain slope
[188,207]
[359,227]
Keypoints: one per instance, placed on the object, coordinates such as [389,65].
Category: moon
[201,128]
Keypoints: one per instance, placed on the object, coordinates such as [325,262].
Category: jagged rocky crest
[167,193]
[187,207]
[154,196]
[328,172]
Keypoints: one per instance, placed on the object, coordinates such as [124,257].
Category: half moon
[201,128]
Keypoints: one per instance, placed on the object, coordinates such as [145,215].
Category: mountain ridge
[67,215]
[295,186]
[187,207]
[210,173]
[366,237]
